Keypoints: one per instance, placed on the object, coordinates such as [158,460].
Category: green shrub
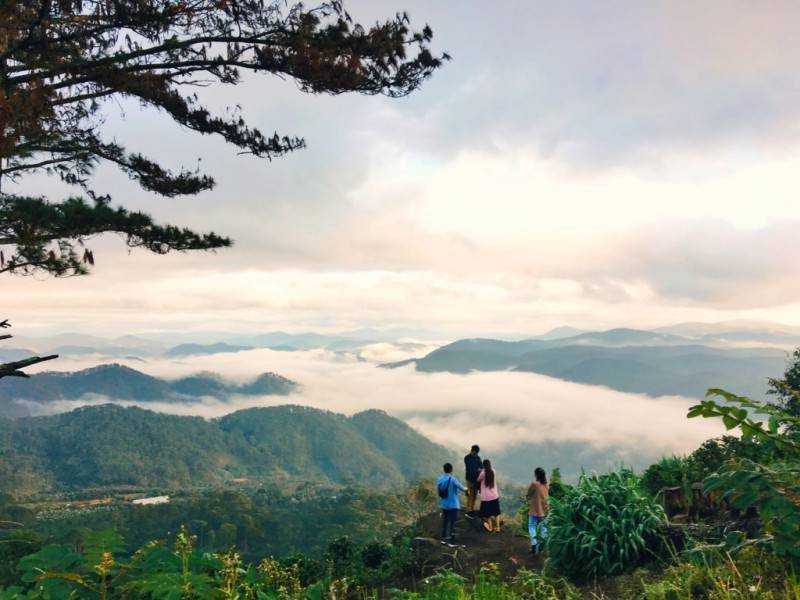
[603,526]
[374,554]
[668,472]
[753,573]
[557,487]
[769,482]
[539,586]
[714,453]
[489,585]
[445,585]
[342,554]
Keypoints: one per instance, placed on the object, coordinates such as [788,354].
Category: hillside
[114,381]
[114,446]
[627,360]
[395,438]
[306,443]
[111,445]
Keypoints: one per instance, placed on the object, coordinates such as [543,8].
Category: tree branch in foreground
[13,369]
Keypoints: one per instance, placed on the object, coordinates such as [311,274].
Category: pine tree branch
[12,369]
[60,59]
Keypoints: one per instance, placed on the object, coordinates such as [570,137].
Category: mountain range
[724,334]
[113,446]
[656,363]
[24,397]
[77,344]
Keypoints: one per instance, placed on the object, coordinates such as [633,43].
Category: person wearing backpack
[448,487]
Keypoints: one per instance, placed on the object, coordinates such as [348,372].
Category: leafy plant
[714,453]
[16,541]
[604,526]
[539,586]
[753,574]
[787,390]
[557,487]
[488,585]
[445,585]
[670,471]
[284,579]
[772,487]
[52,558]
[102,571]
[342,554]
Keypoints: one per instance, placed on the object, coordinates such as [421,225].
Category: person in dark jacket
[473,466]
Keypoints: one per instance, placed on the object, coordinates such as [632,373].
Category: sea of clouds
[501,410]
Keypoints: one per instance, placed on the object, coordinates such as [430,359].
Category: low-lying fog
[506,412]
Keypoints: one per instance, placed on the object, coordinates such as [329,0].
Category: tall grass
[604,526]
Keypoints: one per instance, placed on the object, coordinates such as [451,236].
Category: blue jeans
[536,529]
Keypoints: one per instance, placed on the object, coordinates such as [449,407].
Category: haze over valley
[568,398]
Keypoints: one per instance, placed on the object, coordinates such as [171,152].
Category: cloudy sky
[582,163]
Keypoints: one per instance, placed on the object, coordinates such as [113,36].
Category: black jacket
[473,466]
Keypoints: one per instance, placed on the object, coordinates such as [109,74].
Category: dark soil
[509,549]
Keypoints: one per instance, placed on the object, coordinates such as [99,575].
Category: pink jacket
[488,493]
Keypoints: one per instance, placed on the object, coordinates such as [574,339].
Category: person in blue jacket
[448,487]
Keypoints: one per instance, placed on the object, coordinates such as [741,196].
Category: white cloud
[501,409]
[580,164]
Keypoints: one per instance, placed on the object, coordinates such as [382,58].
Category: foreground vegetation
[158,570]
[609,538]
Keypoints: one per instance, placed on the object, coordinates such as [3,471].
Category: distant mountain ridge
[199,349]
[73,344]
[560,332]
[628,360]
[112,446]
[726,333]
[737,331]
[119,382]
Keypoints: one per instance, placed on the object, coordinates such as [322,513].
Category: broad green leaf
[95,543]
[52,558]
[729,422]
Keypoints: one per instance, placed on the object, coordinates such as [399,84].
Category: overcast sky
[582,163]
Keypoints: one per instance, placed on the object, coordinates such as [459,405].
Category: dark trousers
[449,516]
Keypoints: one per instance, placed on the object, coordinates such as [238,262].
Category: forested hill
[113,446]
[656,364]
[119,382]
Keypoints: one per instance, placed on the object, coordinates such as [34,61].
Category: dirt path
[510,548]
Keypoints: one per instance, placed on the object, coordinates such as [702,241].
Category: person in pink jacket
[490,498]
